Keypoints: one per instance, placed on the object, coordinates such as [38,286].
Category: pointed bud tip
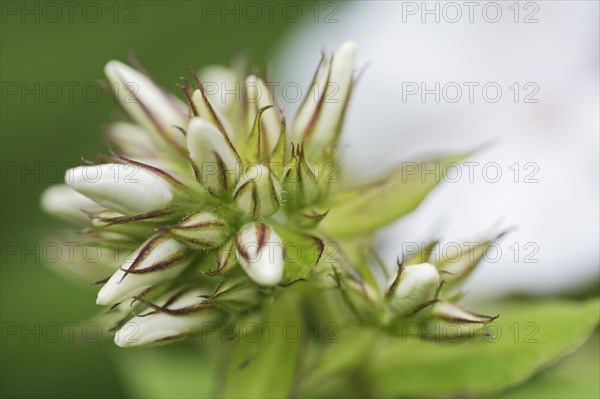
[115,66]
[347,48]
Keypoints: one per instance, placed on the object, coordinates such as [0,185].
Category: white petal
[122,285]
[260,252]
[147,103]
[128,189]
[62,201]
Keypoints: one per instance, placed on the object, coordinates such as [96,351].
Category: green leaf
[365,208]
[528,338]
[574,377]
[264,363]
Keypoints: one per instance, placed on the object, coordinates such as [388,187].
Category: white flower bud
[131,140]
[221,83]
[200,230]
[203,107]
[62,201]
[261,253]
[216,163]
[149,105]
[414,286]
[127,189]
[258,192]
[182,317]
[85,261]
[157,260]
[319,120]
[257,96]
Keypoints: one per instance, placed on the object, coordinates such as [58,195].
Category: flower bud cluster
[210,240]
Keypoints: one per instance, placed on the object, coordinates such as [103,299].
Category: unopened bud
[175,318]
[225,259]
[259,192]
[155,110]
[200,230]
[300,183]
[319,122]
[127,189]
[413,287]
[62,201]
[215,160]
[157,260]
[261,253]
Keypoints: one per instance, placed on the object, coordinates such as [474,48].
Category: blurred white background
[554,141]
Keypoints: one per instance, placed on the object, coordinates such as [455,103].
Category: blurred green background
[44,130]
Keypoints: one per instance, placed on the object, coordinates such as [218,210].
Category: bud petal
[259,191]
[185,314]
[158,259]
[414,285]
[455,314]
[147,103]
[124,188]
[200,230]
[319,122]
[216,163]
[62,201]
[261,253]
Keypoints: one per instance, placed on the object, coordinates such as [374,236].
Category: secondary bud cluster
[420,290]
